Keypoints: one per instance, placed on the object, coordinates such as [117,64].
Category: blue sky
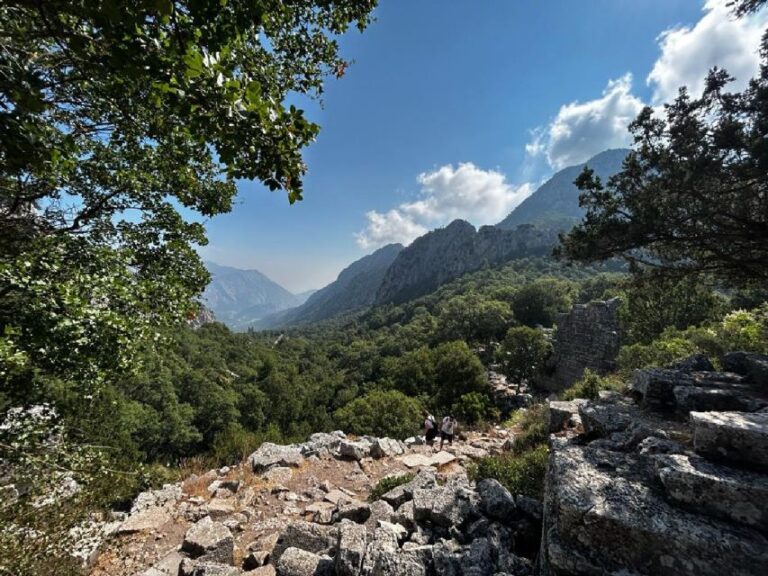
[460,108]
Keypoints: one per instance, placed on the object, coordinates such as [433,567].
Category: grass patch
[590,385]
[519,473]
[532,428]
[388,483]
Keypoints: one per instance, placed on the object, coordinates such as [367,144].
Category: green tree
[523,353]
[539,302]
[458,371]
[116,115]
[381,413]
[653,304]
[692,196]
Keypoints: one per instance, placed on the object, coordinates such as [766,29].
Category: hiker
[430,427]
[447,430]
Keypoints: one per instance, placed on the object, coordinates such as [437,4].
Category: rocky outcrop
[647,487]
[588,336]
[447,253]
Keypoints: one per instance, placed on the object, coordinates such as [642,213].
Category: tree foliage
[117,120]
[522,353]
[692,196]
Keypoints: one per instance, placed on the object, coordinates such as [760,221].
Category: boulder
[444,506]
[402,563]
[297,562]
[307,536]
[603,515]
[694,363]
[478,559]
[655,387]
[354,450]
[601,420]
[350,549]
[210,541]
[354,510]
[495,501]
[753,366]
[386,447]
[270,455]
[562,412]
[145,519]
[404,492]
[380,510]
[737,437]
[717,490]
[254,559]
[320,443]
[700,399]
[197,568]
[382,543]
[166,496]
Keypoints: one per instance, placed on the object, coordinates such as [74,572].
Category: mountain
[556,202]
[240,297]
[447,253]
[354,288]
[304,296]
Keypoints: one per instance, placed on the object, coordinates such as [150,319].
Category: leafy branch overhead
[122,124]
[692,196]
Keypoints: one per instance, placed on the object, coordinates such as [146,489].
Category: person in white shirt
[447,430]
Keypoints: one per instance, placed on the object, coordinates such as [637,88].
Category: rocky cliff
[447,253]
[556,202]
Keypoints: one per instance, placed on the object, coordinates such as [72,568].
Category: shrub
[520,474]
[523,353]
[672,346]
[380,413]
[590,385]
[474,407]
[389,483]
[746,330]
[533,425]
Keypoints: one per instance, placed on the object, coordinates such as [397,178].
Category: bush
[389,483]
[520,474]
[533,425]
[743,330]
[474,407]
[523,352]
[590,385]
[380,413]
[672,346]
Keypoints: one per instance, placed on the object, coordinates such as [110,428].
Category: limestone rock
[269,455]
[699,399]
[753,366]
[561,412]
[350,550]
[146,519]
[386,447]
[404,492]
[297,562]
[718,490]
[736,437]
[166,496]
[443,506]
[354,450]
[306,536]
[355,510]
[604,515]
[196,568]
[694,363]
[656,386]
[210,541]
[601,420]
[254,559]
[495,500]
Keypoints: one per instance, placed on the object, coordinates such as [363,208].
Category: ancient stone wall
[586,337]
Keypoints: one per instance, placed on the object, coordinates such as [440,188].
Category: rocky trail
[668,479]
[235,515]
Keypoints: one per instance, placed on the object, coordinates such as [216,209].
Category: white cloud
[466,191]
[717,39]
[582,129]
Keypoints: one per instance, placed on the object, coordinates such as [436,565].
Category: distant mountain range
[238,298]
[393,274]
[556,202]
[355,288]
